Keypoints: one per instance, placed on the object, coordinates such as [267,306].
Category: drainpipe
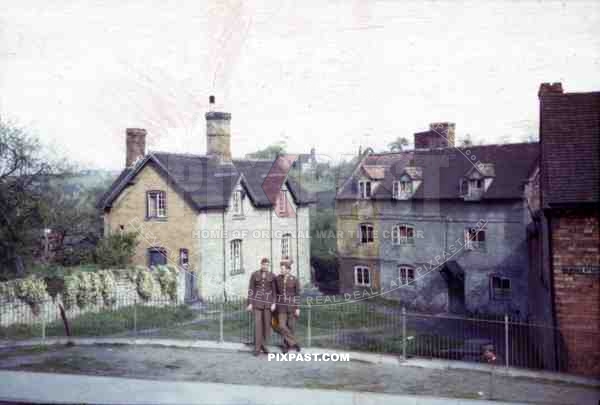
[224,258]
[297,244]
[271,238]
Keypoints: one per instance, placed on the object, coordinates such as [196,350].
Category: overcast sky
[328,74]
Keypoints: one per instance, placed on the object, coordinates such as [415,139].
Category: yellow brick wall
[174,233]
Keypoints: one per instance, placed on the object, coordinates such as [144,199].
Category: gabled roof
[443,168]
[570,148]
[206,183]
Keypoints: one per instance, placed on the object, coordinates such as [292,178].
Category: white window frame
[184,257]
[282,202]
[236,256]
[359,272]
[398,240]
[360,233]
[404,274]
[474,243]
[156,204]
[365,189]
[286,245]
[474,189]
[237,207]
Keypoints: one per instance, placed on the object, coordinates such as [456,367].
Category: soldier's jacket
[262,289]
[288,293]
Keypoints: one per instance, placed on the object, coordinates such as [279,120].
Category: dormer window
[236,206]
[364,189]
[281,205]
[477,181]
[402,189]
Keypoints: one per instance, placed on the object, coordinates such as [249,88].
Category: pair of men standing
[268,293]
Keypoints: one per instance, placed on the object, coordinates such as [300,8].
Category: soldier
[288,300]
[261,300]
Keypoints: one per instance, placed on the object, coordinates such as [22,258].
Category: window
[156,204]
[364,189]
[366,233]
[236,256]
[157,256]
[236,206]
[475,187]
[282,203]
[403,235]
[500,289]
[286,245]
[184,257]
[406,274]
[362,276]
[474,238]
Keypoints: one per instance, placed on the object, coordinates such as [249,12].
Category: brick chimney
[218,134]
[440,135]
[135,140]
[550,88]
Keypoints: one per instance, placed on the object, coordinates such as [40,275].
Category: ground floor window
[157,256]
[236,256]
[406,274]
[362,276]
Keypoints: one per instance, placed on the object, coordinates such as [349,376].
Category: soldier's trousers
[287,326]
[262,327]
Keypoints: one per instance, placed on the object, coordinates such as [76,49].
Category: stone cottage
[211,215]
[439,228]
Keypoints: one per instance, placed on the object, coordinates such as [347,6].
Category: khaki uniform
[261,294]
[288,300]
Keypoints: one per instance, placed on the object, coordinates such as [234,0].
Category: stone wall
[16,311]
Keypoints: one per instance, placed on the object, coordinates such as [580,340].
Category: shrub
[108,286]
[167,278]
[145,284]
[116,250]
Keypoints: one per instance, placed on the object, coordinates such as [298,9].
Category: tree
[116,250]
[22,172]
[398,145]
[270,152]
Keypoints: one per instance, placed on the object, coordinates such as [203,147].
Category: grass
[105,322]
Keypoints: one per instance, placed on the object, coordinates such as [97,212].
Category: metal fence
[371,325]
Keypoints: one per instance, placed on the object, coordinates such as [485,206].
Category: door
[456,296]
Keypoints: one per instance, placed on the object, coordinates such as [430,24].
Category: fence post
[506,347]
[44,323]
[221,323]
[308,328]
[404,333]
[135,320]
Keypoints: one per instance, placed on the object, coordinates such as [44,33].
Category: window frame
[363,187]
[237,206]
[407,278]
[184,257]
[362,270]
[501,293]
[369,226]
[157,249]
[286,238]
[155,213]
[236,264]
[478,243]
[281,203]
[407,241]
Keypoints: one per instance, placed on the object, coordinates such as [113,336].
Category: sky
[333,75]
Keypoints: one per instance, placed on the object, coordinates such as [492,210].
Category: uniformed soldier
[261,300]
[288,301]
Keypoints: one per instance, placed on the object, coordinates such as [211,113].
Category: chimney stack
[440,135]
[550,88]
[218,134]
[135,144]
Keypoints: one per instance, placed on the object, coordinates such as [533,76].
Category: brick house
[564,235]
[438,228]
[209,214]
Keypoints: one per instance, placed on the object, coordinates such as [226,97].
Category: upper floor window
[362,276]
[236,206]
[157,256]
[235,251]
[365,233]
[403,234]
[474,238]
[475,187]
[406,274]
[184,257]
[156,204]
[500,288]
[281,205]
[364,189]
[286,245]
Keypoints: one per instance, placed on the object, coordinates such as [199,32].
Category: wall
[173,233]
[18,312]
[576,243]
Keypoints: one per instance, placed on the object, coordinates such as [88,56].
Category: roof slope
[205,183]
[570,147]
[443,169]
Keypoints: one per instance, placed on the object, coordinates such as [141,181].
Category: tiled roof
[570,147]
[206,183]
[443,169]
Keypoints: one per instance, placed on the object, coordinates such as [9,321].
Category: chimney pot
[135,145]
